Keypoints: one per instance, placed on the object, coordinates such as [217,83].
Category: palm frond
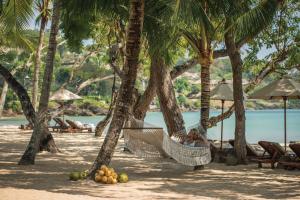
[14,19]
[16,15]
[249,24]
[191,12]
[158,30]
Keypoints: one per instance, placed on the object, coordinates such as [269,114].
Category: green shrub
[195,89]
[182,100]
[15,106]
[197,104]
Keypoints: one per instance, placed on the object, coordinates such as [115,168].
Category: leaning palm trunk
[4,93]
[237,64]
[46,141]
[37,64]
[167,99]
[40,131]
[124,101]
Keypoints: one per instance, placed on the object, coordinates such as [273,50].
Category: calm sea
[260,124]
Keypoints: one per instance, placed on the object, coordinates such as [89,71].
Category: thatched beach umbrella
[224,92]
[284,88]
[64,95]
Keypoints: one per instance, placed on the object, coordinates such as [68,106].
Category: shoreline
[148,178]
[21,116]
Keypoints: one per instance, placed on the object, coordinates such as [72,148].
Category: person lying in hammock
[195,138]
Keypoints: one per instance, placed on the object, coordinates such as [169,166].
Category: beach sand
[149,178]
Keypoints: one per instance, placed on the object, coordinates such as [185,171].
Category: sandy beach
[149,178]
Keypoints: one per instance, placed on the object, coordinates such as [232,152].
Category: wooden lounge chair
[295,162]
[75,126]
[26,126]
[251,152]
[274,150]
[61,126]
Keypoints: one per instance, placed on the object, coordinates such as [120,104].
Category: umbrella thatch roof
[223,91]
[278,89]
[64,95]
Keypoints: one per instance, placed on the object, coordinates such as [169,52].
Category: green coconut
[123,177]
[75,176]
[84,174]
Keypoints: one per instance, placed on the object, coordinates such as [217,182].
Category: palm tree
[40,131]
[242,24]
[42,6]
[124,101]
[199,31]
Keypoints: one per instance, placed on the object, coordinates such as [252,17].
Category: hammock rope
[147,141]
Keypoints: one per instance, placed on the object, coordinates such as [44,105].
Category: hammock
[147,141]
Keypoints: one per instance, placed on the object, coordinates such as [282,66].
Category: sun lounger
[295,147]
[79,127]
[26,126]
[251,152]
[61,126]
[295,162]
[274,150]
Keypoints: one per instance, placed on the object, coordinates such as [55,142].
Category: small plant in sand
[107,175]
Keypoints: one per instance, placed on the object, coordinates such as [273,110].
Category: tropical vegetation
[124,56]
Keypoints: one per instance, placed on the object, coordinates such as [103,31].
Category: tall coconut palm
[124,101]
[199,31]
[44,13]
[242,24]
[40,131]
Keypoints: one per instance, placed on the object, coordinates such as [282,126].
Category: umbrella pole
[223,101]
[284,100]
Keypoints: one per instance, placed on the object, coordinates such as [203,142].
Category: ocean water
[260,124]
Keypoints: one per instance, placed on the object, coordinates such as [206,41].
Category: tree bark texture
[124,100]
[237,64]
[40,130]
[205,95]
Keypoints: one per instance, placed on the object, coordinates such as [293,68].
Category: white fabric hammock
[146,141]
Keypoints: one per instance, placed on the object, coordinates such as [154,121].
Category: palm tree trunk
[237,64]
[124,101]
[40,130]
[21,93]
[37,64]
[4,93]
[205,95]
[167,99]
[3,97]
